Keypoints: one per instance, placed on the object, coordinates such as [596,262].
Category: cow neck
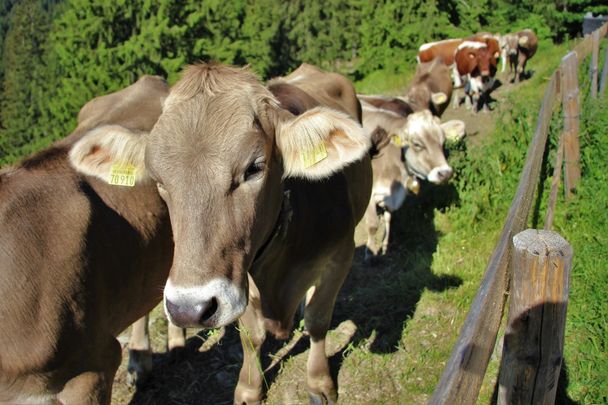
[411,183]
[279,231]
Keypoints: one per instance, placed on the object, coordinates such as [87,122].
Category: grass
[583,222]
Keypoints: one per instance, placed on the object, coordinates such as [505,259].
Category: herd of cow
[227,199]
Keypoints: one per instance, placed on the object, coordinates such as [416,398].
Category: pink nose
[444,174]
[192,314]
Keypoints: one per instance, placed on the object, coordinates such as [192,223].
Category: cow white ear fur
[101,148]
[454,130]
[320,142]
[439,98]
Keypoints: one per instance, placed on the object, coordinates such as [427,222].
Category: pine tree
[22,55]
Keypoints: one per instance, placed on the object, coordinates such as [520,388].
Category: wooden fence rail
[464,372]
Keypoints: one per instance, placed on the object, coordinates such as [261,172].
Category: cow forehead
[203,134]
[425,127]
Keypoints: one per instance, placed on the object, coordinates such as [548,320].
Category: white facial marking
[231,301]
[434,177]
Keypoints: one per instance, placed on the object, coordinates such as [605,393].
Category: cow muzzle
[440,175]
[215,304]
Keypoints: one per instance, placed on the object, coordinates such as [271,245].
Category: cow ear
[110,149]
[439,98]
[319,142]
[454,130]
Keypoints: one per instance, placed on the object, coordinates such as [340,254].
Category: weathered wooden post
[555,180]
[594,66]
[534,339]
[604,74]
[571,107]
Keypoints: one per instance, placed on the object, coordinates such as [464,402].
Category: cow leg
[176,336]
[456,98]
[140,355]
[371,221]
[253,333]
[317,317]
[94,387]
[387,230]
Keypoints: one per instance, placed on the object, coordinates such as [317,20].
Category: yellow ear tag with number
[122,175]
[396,140]
[312,157]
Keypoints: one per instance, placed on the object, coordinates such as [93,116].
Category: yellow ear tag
[312,157]
[122,175]
[396,140]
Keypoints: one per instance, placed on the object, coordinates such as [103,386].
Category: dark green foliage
[58,54]
[22,58]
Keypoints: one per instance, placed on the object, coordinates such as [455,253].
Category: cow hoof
[320,399]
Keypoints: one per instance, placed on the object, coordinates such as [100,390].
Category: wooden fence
[532,266]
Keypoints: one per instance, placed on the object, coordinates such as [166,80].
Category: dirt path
[372,310]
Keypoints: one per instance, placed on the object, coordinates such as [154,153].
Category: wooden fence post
[534,339]
[571,107]
[604,75]
[593,67]
[555,180]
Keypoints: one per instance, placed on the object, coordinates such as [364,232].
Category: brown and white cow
[264,187]
[477,70]
[80,259]
[444,51]
[415,153]
[520,47]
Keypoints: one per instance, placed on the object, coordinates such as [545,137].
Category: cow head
[424,157]
[511,44]
[218,154]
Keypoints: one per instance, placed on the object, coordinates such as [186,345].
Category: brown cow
[80,259]
[394,172]
[520,47]
[431,89]
[264,187]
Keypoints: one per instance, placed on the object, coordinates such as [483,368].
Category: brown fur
[227,227]
[442,50]
[430,78]
[80,260]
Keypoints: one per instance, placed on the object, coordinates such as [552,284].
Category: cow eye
[417,146]
[255,169]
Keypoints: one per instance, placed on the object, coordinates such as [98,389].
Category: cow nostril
[209,311]
[186,314]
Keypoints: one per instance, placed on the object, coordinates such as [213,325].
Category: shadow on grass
[378,299]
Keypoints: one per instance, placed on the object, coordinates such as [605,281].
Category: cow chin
[215,304]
